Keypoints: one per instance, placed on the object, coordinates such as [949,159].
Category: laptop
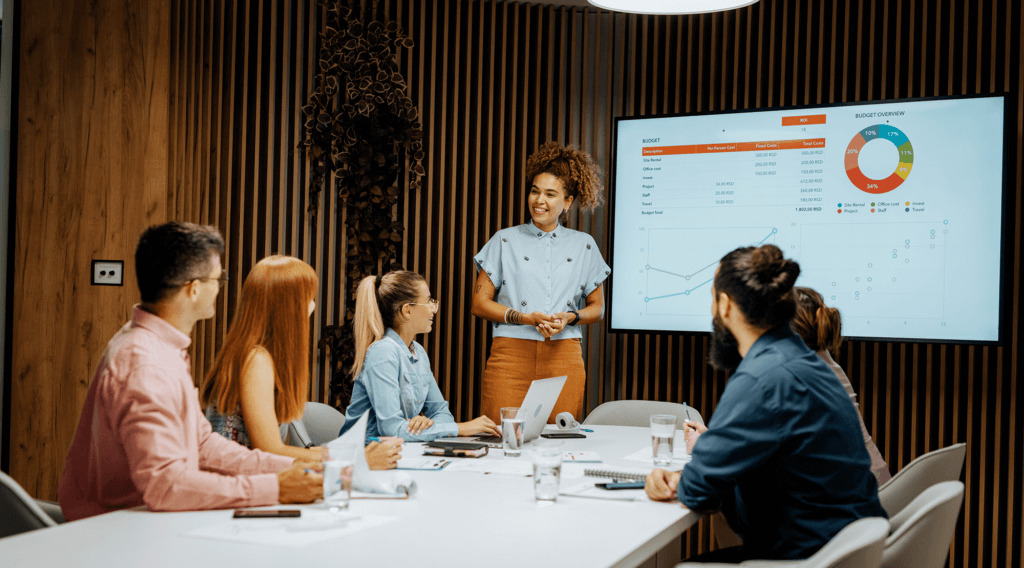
[537,405]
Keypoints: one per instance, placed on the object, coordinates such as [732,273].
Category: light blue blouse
[534,271]
[395,385]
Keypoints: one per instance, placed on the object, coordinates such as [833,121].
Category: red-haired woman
[260,380]
[540,282]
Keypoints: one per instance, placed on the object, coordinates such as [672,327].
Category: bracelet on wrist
[576,319]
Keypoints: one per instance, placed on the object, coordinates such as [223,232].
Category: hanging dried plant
[363,138]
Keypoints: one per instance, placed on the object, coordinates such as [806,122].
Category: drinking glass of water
[512,431]
[547,470]
[337,485]
[663,438]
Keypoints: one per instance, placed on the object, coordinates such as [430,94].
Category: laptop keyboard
[488,439]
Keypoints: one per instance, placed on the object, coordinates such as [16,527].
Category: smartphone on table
[266,513]
[621,485]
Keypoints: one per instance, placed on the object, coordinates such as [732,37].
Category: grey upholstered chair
[858,545]
[921,531]
[927,470]
[18,512]
[320,423]
[638,413]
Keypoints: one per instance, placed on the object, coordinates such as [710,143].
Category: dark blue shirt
[783,456]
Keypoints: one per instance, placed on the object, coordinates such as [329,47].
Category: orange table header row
[734,147]
[805,119]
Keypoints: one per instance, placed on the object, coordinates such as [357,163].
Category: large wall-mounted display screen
[893,209]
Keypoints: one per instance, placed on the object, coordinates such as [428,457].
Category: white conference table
[455,519]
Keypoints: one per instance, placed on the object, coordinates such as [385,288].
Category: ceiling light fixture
[670,6]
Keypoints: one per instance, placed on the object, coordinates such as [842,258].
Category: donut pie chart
[890,134]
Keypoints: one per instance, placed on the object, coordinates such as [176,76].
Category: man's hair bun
[775,274]
[760,279]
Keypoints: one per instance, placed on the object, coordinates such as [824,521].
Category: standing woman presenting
[540,282]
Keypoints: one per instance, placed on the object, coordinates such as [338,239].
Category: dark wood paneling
[495,79]
[92,174]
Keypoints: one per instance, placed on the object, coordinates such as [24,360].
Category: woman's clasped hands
[549,324]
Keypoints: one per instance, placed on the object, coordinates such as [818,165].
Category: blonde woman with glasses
[393,380]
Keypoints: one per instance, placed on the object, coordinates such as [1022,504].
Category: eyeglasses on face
[431,303]
[221,280]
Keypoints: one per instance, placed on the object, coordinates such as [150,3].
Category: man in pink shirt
[142,438]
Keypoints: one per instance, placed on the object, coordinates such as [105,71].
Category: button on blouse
[535,271]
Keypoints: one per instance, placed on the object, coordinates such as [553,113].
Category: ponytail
[367,325]
[830,329]
[379,300]
[820,326]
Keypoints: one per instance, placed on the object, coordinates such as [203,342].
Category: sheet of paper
[679,456]
[363,478]
[581,457]
[429,464]
[522,466]
[509,467]
[574,470]
[313,526]
[588,489]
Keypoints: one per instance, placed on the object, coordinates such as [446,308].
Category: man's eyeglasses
[431,303]
[221,280]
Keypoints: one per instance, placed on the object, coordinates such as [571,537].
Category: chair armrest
[52,509]
[746,564]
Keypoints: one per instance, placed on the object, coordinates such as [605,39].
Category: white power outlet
[108,273]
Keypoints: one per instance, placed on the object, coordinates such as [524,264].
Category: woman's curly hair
[579,174]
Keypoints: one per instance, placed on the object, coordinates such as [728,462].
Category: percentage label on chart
[852,151]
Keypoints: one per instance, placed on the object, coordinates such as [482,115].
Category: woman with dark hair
[540,282]
[260,379]
[781,458]
[821,328]
[393,380]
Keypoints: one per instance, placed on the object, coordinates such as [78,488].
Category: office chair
[922,530]
[934,467]
[320,423]
[638,413]
[858,545]
[18,512]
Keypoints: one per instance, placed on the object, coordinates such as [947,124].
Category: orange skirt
[515,363]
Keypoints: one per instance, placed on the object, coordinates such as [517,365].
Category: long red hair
[273,313]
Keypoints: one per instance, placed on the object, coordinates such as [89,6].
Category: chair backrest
[934,467]
[322,422]
[924,528]
[638,413]
[858,545]
[18,512]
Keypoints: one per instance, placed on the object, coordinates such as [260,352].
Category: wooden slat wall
[494,79]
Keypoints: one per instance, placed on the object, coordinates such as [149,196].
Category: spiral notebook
[616,474]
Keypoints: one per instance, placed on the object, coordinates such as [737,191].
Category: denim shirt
[534,271]
[783,456]
[394,386]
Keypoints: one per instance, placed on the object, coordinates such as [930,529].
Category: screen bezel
[1002,316]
